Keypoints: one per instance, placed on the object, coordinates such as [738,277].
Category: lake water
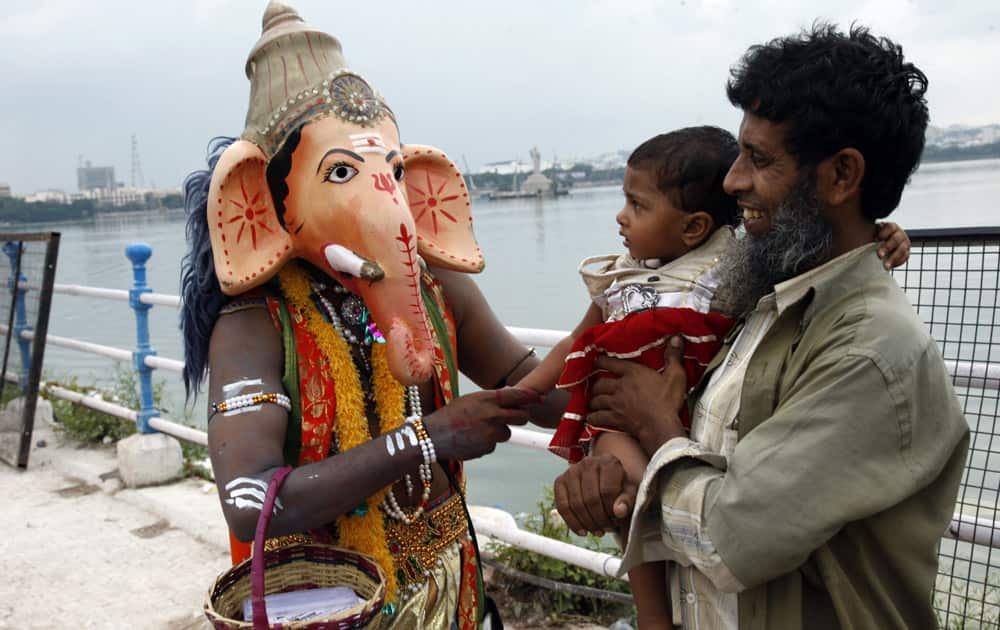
[532,249]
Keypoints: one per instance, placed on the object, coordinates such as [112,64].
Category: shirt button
[691,598]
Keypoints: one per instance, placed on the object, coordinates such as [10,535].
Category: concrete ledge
[149,459]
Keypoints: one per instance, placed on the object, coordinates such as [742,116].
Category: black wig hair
[691,164]
[200,292]
[837,91]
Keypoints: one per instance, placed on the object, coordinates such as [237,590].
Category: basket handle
[257,560]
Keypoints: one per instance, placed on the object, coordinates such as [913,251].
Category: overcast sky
[487,80]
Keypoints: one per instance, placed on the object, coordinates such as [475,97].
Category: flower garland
[365,532]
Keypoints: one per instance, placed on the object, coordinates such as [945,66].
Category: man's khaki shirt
[849,447]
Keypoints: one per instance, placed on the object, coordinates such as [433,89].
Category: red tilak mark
[371,142]
[386,184]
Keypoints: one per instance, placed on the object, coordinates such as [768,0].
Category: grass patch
[91,427]
[540,606]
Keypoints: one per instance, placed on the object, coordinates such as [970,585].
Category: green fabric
[290,381]
[441,330]
[851,448]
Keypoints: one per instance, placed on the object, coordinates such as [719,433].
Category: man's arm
[840,447]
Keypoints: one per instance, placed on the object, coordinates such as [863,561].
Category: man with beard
[827,444]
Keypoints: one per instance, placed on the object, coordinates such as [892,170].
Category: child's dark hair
[691,164]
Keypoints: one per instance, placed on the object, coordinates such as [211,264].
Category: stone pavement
[77,550]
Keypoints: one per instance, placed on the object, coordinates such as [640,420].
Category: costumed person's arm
[545,375]
[487,352]
[246,442]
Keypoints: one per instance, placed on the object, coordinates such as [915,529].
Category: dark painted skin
[246,344]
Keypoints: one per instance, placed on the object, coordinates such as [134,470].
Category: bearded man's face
[786,232]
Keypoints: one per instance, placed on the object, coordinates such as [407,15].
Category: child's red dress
[644,307]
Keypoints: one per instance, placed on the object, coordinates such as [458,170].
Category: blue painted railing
[13,250]
[138,254]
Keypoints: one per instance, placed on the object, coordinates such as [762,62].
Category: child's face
[650,221]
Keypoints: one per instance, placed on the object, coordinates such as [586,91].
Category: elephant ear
[248,242]
[442,210]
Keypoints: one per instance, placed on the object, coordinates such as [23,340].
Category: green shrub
[89,426]
[538,605]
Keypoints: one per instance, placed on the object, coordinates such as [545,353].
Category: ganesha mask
[319,174]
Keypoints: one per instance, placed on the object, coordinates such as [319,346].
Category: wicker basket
[292,568]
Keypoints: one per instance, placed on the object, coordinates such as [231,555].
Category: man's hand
[471,426]
[641,402]
[594,495]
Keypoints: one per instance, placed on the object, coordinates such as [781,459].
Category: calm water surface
[532,249]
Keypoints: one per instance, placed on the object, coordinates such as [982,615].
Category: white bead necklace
[389,503]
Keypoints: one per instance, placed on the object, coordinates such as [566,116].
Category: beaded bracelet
[424,439]
[249,400]
[390,505]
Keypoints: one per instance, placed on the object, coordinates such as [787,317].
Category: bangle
[250,400]
[503,381]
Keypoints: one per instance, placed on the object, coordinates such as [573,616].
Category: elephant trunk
[395,302]
[410,353]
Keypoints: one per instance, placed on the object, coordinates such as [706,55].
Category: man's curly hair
[837,91]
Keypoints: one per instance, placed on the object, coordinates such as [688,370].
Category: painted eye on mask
[398,172]
[341,173]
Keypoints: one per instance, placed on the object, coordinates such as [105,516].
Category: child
[677,223]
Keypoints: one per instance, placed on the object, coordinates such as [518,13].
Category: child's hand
[895,248]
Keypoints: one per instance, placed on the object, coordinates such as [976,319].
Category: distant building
[48,196]
[95,177]
[4,190]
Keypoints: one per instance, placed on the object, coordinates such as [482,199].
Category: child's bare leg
[648,580]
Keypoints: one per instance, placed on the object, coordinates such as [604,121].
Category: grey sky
[487,80]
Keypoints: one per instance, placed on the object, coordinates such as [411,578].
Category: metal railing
[952,280]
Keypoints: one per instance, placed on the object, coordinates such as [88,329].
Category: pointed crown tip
[278,13]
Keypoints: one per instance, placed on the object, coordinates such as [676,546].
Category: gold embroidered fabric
[417,546]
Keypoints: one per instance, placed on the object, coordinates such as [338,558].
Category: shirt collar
[793,290]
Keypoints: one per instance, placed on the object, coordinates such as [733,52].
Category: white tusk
[345,261]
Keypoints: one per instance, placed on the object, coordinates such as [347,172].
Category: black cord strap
[503,381]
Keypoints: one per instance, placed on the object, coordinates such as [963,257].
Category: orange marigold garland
[364,533]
